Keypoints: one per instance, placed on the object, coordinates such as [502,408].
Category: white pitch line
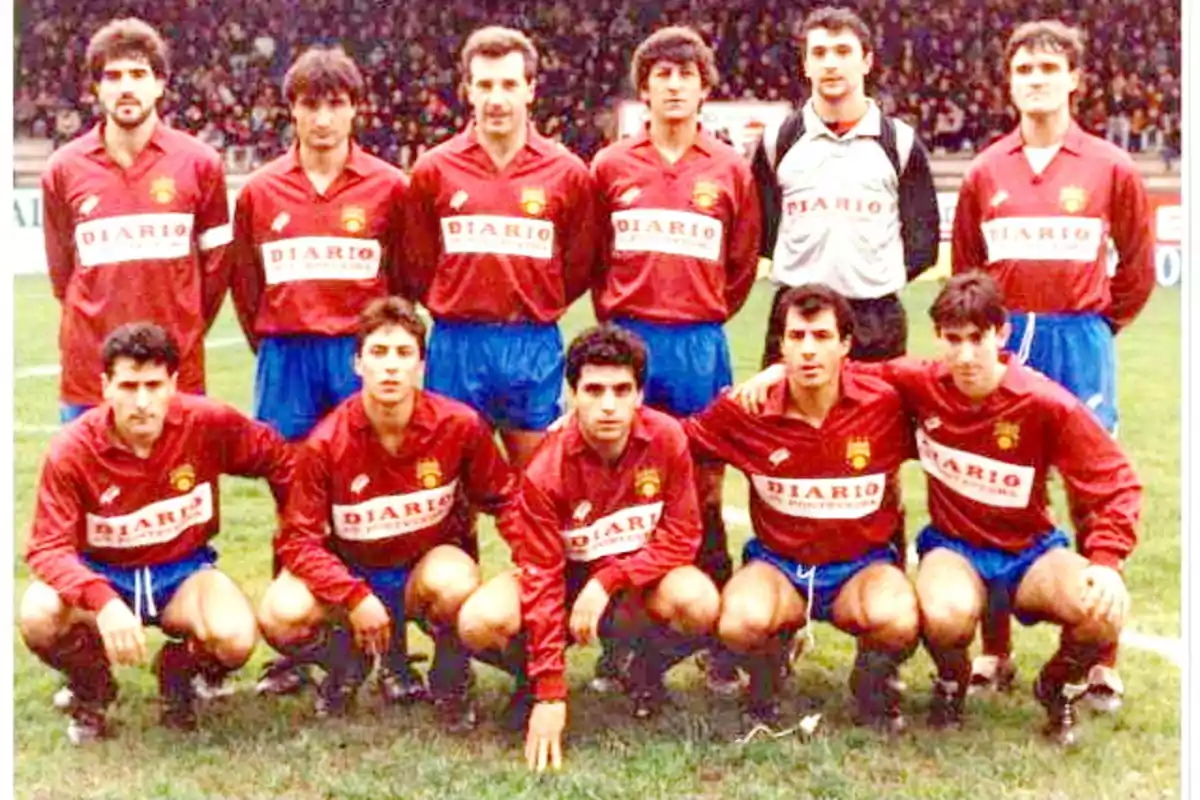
[50,370]
[1169,647]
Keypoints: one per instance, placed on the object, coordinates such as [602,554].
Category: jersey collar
[871,123]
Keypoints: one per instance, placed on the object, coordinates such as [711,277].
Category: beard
[129,122]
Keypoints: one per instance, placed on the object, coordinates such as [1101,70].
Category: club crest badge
[1072,199]
[533,201]
[354,219]
[1007,435]
[705,195]
[183,478]
[162,190]
[429,473]
[647,483]
[858,453]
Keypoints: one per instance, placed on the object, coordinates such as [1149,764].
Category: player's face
[323,123]
[499,94]
[973,357]
[389,365]
[813,350]
[129,90]
[138,394]
[606,398]
[673,91]
[836,64]
[1041,82]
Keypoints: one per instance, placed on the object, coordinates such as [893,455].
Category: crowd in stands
[939,63]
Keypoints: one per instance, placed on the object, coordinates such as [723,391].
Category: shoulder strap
[789,133]
[887,140]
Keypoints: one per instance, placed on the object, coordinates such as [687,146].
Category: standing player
[315,239]
[683,229]
[365,538]
[822,462]
[126,507]
[847,194]
[501,239]
[1035,211]
[608,526]
[136,220]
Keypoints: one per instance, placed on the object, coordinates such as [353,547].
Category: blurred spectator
[939,64]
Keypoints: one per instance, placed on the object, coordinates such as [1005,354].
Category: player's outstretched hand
[752,394]
[589,608]
[543,737]
[122,633]
[372,625]
[1104,594]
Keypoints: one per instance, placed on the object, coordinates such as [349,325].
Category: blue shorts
[1000,570]
[388,584]
[511,373]
[148,590]
[1074,350]
[688,364]
[827,580]
[300,379]
[69,412]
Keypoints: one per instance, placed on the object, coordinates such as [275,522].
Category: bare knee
[445,579]
[949,618]
[42,616]
[288,611]
[488,621]
[232,637]
[892,618]
[694,603]
[744,625]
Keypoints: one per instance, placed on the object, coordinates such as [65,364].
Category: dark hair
[323,72]
[810,299]
[495,41]
[1048,35]
[127,38]
[143,343]
[678,45]
[384,311]
[606,346]
[969,298]
[835,20]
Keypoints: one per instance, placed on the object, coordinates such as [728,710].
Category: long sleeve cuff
[550,686]
[612,578]
[97,595]
[1107,558]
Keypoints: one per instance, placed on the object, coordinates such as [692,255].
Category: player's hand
[372,625]
[589,608]
[543,737]
[122,632]
[1104,594]
[752,394]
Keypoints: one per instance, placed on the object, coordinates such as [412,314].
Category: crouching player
[606,529]
[366,537]
[126,506]
[989,430]
[822,462]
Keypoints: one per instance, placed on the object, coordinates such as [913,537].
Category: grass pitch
[253,748]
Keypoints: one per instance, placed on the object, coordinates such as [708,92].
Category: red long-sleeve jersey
[303,262]
[484,245]
[1044,237]
[630,522]
[987,463]
[96,497]
[818,495]
[353,502]
[680,240]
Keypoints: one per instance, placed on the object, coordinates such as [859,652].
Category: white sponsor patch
[216,237]
[620,532]
[979,478]
[393,515]
[136,237]
[1043,238]
[153,524]
[677,233]
[506,236]
[822,498]
[330,258]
